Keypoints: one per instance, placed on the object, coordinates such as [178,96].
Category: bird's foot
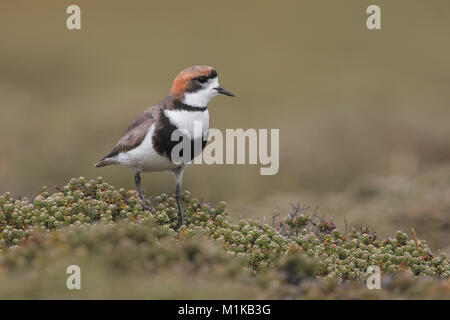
[146,206]
[181,222]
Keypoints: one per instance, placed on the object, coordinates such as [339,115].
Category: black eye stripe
[203,79]
[195,84]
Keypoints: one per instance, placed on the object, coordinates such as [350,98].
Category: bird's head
[195,86]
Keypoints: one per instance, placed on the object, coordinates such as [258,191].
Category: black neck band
[178,105]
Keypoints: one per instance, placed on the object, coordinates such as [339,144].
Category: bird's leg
[137,180]
[178,178]
[180,213]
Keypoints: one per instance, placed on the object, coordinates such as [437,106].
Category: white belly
[145,157]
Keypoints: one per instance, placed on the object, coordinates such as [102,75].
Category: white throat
[200,98]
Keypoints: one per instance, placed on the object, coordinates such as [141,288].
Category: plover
[146,145]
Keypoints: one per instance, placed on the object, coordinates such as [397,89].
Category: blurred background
[364,116]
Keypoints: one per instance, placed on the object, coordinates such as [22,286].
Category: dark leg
[137,180]
[180,213]
[178,177]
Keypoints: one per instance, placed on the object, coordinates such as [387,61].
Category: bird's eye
[202,79]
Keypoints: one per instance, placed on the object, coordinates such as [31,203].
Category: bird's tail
[105,162]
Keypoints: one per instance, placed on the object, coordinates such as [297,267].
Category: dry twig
[413,232]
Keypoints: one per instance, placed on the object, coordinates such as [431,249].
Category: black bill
[225,92]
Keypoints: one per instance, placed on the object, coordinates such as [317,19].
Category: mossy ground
[127,252]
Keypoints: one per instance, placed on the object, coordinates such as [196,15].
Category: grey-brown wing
[136,132]
[150,113]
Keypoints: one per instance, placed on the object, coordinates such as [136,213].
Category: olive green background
[363,115]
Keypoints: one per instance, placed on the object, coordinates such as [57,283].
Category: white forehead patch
[201,97]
